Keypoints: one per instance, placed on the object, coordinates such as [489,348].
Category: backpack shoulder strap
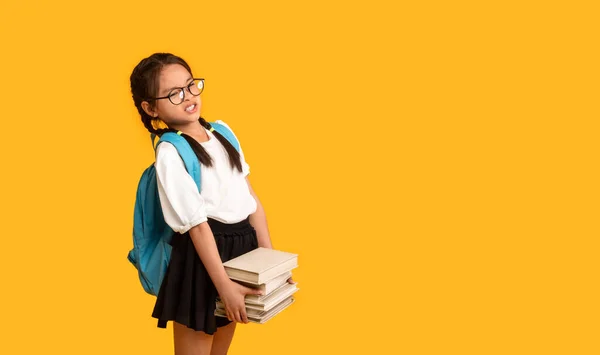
[227,133]
[186,153]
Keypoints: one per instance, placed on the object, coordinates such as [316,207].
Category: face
[175,76]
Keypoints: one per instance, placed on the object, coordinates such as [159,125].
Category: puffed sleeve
[182,205]
[245,166]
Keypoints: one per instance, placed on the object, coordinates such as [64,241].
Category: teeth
[190,108]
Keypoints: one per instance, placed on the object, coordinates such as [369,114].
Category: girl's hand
[233,298]
[290,281]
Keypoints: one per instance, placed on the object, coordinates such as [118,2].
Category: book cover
[260,265]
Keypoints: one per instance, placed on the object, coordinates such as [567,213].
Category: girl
[222,221]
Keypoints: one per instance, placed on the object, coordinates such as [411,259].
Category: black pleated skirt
[187,294]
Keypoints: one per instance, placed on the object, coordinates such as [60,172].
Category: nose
[187,91]
[185,94]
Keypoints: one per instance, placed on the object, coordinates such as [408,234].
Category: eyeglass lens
[176,96]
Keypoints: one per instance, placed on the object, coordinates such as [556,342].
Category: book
[269,286]
[261,317]
[260,265]
[270,301]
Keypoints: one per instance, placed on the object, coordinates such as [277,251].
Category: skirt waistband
[219,229]
[218,226]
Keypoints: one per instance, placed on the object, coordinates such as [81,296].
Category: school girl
[222,221]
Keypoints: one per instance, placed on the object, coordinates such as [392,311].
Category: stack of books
[267,270]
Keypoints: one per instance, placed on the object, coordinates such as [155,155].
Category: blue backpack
[151,251]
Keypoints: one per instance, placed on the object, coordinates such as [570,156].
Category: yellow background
[434,164]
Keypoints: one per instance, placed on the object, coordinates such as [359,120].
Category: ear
[148,109]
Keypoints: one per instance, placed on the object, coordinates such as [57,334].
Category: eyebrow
[176,87]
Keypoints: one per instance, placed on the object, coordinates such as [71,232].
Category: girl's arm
[232,294]
[206,247]
[258,220]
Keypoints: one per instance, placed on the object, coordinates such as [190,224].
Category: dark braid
[234,156]
[144,82]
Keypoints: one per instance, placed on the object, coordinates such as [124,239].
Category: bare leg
[222,339]
[190,342]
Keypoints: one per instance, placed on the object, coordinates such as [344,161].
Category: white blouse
[225,195]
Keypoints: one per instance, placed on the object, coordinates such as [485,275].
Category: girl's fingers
[252,291]
[244,315]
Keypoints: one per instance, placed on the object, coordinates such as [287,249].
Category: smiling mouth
[191,108]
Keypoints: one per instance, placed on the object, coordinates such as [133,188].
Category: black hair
[144,82]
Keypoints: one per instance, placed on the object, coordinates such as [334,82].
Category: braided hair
[144,82]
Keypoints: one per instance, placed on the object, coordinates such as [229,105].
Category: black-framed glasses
[177,95]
